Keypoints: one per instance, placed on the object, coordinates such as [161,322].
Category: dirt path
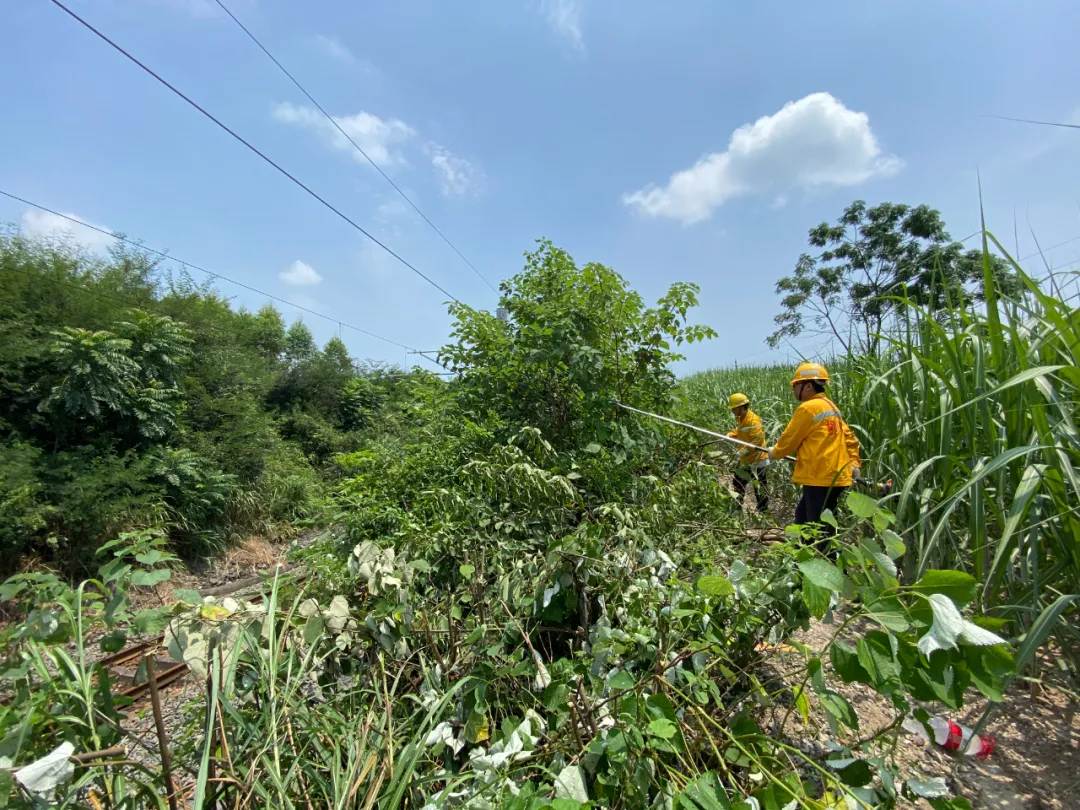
[1035,764]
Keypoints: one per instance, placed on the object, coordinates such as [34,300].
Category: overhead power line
[1040,123]
[349,138]
[1043,251]
[102,36]
[209,273]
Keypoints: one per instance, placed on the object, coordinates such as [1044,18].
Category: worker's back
[825,445]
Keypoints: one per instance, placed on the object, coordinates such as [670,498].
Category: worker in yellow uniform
[752,463]
[826,448]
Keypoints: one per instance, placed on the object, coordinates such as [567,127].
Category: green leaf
[151,557]
[817,599]
[153,621]
[1041,629]
[113,641]
[802,703]
[704,793]
[593,448]
[148,579]
[855,773]
[848,664]
[477,728]
[715,586]
[823,574]
[663,728]
[883,561]
[860,505]
[886,611]
[817,675]
[837,705]
[929,789]
[877,658]
[555,697]
[466,571]
[187,596]
[622,680]
[313,630]
[570,784]
[946,628]
[894,546]
[959,586]
[984,679]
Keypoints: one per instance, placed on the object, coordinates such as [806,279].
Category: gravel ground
[249,558]
[1035,764]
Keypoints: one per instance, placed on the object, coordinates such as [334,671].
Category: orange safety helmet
[807,372]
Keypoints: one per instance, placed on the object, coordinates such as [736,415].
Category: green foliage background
[132,398]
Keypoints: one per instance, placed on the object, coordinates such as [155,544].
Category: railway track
[128,668]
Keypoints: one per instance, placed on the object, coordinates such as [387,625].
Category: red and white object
[952,736]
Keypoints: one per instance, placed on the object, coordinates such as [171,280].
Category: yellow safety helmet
[810,371]
[737,400]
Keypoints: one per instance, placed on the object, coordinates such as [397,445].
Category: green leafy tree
[92,372]
[575,338]
[160,345]
[268,332]
[868,259]
[299,344]
[360,399]
[112,373]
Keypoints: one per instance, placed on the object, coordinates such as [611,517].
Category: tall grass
[282,727]
[973,412]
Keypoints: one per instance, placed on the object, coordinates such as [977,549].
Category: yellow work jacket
[750,430]
[826,447]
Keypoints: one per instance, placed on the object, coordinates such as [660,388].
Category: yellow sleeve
[793,434]
[852,443]
[734,434]
[757,435]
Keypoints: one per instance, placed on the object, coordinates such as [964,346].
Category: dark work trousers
[745,477]
[813,502]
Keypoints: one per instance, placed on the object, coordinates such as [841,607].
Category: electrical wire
[349,138]
[210,273]
[1040,123]
[146,69]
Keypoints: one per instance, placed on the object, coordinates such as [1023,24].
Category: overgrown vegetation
[132,399]
[533,599]
[871,261]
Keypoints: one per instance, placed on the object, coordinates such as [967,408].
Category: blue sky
[692,141]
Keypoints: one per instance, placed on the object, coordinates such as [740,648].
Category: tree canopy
[870,259]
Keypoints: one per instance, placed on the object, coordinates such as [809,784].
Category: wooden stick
[163,739]
[105,753]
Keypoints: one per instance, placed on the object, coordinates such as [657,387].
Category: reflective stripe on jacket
[826,448]
[750,430]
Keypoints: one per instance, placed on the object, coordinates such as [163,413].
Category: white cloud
[456,175]
[376,136]
[300,274]
[334,48]
[815,141]
[43,225]
[564,17]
